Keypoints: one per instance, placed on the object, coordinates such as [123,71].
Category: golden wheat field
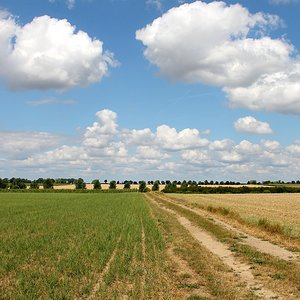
[278,208]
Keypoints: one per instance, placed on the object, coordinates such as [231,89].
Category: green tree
[34,185]
[112,185]
[48,183]
[3,183]
[155,186]
[97,184]
[142,187]
[127,185]
[80,184]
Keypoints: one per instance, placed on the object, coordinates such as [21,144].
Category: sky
[150,89]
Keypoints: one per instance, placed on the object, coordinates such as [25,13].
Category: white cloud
[279,92]
[48,53]
[50,101]
[251,125]
[107,151]
[170,139]
[210,43]
[156,3]
[283,1]
[227,46]
[18,145]
[102,132]
[70,3]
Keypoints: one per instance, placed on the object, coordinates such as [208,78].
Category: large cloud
[278,92]
[19,145]
[47,53]
[107,151]
[251,125]
[227,46]
[208,42]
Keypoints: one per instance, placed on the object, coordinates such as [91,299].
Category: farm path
[221,250]
[257,243]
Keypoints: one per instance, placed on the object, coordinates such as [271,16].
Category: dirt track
[242,270]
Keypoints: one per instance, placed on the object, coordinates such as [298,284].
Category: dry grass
[282,209]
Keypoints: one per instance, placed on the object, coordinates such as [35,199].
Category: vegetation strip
[222,251]
[143,262]
[99,281]
[215,280]
[261,245]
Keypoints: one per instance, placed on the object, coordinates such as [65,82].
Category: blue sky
[150,89]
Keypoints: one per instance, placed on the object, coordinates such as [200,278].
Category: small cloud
[70,4]
[156,3]
[278,2]
[251,125]
[50,101]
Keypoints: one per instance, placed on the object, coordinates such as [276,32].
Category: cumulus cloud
[18,145]
[226,46]
[279,92]
[103,131]
[251,125]
[107,151]
[187,138]
[49,53]
[210,43]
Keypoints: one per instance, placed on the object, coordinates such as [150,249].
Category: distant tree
[184,186]
[112,185]
[155,186]
[127,185]
[34,185]
[142,187]
[97,184]
[48,183]
[80,184]
[3,183]
[17,183]
[105,181]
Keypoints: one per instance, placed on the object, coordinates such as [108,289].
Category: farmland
[134,246]
[283,209]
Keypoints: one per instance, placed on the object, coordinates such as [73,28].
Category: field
[135,246]
[283,209]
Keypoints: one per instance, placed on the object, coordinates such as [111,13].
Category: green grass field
[68,246]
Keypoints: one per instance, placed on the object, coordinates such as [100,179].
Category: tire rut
[105,270]
[242,270]
[257,243]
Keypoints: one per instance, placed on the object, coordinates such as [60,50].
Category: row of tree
[19,183]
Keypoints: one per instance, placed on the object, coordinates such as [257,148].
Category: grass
[55,246]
